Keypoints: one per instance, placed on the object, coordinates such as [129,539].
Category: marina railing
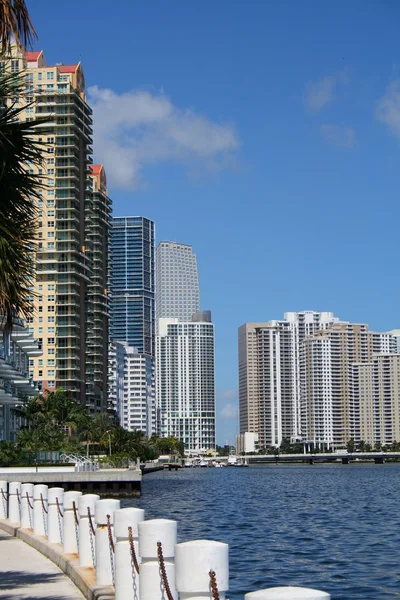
[116,547]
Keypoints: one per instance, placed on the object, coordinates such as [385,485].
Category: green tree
[351,445]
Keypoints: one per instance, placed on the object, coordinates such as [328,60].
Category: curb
[84,579]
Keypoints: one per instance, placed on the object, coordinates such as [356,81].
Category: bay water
[329,527]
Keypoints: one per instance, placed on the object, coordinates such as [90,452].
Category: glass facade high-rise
[132,283]
[178,294]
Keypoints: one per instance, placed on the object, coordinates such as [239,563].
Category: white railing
[141,559]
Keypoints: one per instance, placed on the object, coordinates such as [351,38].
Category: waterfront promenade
[27,574]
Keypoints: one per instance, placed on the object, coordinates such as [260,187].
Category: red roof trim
[67,68]
[95,169]
[33,56]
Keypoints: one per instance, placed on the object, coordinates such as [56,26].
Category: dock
[111,483]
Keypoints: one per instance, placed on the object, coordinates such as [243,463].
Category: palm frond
[18,191]
[15,24]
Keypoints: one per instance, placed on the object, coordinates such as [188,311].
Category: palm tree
[15,24]
[18,191]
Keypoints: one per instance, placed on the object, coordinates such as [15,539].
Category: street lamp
[109,441]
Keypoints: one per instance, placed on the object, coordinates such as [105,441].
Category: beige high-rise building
[330,416]
[376,400]
[69,300]
[269,374]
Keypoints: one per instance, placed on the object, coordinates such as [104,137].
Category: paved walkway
[27,574]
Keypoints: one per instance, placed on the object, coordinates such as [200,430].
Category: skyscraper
[269,374]
[132,388]
[335,382]
[178,294]
[185,387]
[132,283]
[131,371]
[63,298]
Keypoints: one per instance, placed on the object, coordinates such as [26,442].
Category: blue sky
[266,134]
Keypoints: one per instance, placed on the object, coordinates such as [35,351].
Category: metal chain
[92,533]
[213,585]
[133,553]
[30,508]
[44,513]
[18,498]
[4,498]
[43,506]
[76,524]
[112,547]
[163,572]
[60,515]
[134,563]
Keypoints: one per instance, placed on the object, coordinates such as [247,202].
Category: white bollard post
[193,562]
[55,516]
[14,499]
[287,593]
[87,555]
[126,576]
[71,522]
[150,533]
[40,493]
[104,553]
[3,499]
[27,505]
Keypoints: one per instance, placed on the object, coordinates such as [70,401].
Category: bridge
[311,458]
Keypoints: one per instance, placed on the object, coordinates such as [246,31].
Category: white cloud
[388,108]
[337,135]
[138,128]
[322,92]
[229,411]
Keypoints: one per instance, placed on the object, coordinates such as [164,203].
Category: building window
[51,287]
[50,340]
[40,76]
[51,319]
[40,362]
[51,372]
[51,383]
[50,75]
[14,66]
[40,373]
[50,223]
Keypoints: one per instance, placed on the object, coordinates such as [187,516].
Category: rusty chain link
[110,535]
[133,553]
[4,495]
[58,508]
[28,501]
[75,513]
[90,521]
[213,585]
[163,571]
[112,547]
[18,497]
[92,533]
[43,506]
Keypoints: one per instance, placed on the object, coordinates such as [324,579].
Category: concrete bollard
[40,493]
[54,518]
[287,593]
[27,505]
[104,553]
[71,522]
[87,554]
[193,562]
[151,532]
[3,500]
[14,499]
[126,577]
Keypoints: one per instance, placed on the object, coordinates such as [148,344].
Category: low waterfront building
[246,442]
[17,349]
